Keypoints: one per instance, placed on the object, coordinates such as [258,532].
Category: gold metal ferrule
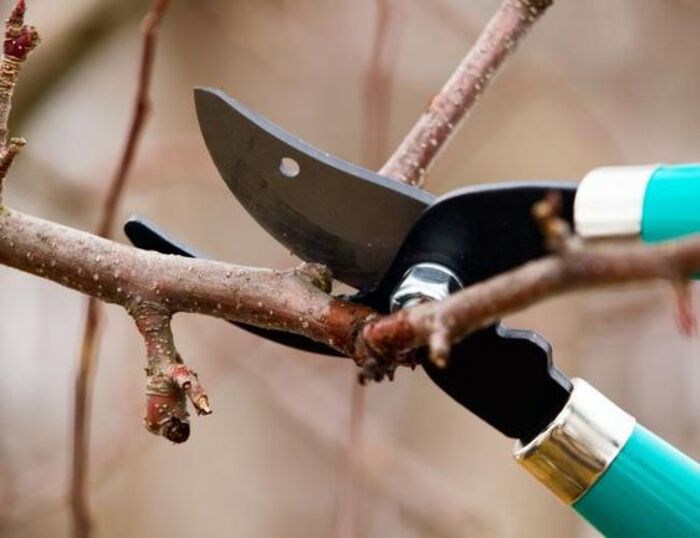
[578,445]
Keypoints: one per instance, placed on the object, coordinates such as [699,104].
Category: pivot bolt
[422,283]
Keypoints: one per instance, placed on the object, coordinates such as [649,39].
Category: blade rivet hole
[289,167]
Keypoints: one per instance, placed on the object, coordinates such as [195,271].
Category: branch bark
[295,300]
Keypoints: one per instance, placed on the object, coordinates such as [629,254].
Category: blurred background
[595,83]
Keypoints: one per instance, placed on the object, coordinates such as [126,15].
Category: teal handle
[650,490]
[671,203]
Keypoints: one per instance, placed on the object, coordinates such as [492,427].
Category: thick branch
[294,300]
[447,109]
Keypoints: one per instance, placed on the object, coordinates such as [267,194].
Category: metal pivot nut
[424,282]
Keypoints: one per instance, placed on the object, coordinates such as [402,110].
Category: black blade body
[321,208]
[504,376]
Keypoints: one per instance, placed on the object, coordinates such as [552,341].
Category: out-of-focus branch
[142,105]
[375,141]
[88,348]
[379,80]
[428,501]
[447,109]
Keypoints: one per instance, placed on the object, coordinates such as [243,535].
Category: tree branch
[294,300]
[379,81]
[440,324]
[447,109]
[150,284]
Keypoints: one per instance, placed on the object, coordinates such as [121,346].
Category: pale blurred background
[596,83]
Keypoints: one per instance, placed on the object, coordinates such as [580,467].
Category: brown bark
[294,300]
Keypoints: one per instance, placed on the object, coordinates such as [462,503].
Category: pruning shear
[398,245]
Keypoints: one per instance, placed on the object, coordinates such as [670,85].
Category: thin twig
[378,82]
[447,109]
[573,269]
[429,502]
[349,493]
[88,349]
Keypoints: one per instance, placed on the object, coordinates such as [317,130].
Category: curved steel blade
[320,207]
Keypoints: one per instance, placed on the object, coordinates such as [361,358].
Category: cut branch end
[170,381]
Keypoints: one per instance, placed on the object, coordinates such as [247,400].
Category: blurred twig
[452,18]
[375,141]
[429,501]
[83,382]
[378,82]
[346,518]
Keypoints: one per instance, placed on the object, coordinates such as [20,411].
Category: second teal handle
[671,203]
